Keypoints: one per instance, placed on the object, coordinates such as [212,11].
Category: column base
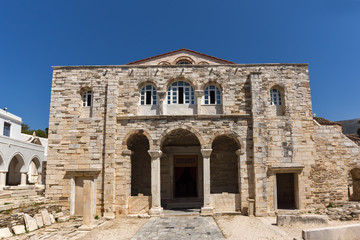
[207,211]
[109,216]
[86,227]
[156,211]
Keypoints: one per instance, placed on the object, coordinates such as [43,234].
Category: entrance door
[285,191]
[185,176]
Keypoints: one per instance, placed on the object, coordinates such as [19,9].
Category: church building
[188,130]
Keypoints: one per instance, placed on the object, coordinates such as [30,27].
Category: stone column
[156,208]
[242,176]
[109,152]
[88,213]
[39,180]
[2,179]
[207,208]
[127,164]
[23,179]
[198,95]
[161,95]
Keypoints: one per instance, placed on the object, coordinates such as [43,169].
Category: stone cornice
[176,117]
[125,67]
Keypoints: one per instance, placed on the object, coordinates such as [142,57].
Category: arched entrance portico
[14,175]
[181,170]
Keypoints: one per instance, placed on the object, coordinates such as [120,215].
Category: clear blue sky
[35,35]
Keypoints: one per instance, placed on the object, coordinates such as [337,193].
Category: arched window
[87,98]
[180,93]
[275,97]
[212,95]
[183,62]
[148,95]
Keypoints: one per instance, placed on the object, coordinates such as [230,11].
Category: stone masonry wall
[337,155]
[77,140]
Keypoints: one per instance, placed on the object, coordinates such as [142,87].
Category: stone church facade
[185,129]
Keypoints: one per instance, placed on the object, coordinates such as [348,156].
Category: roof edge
[182,66]
[175,51]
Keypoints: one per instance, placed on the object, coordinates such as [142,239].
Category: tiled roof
[354,138]
[323,121]
[179,50]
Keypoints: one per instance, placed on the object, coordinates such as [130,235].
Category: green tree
[358,131]
[40,133]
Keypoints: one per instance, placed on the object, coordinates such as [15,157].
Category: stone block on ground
[283,220]
[59,214]
[5,233]
[30,223]
[39,220]
[347,232]
[46,217]
[19,229]
[64,218]
[52,219]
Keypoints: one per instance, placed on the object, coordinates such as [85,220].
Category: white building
[22,156]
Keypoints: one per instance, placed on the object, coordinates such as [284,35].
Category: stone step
[5,195]
[184,203]
[182,213]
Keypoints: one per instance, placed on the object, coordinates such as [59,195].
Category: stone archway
[355,177]
[181,170]
[138,143]
[224,165]
[13,176]
[33,173]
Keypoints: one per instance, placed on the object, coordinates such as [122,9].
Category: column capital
[240,152]
[206,152]
[161,94]
[154,153]
[199,93]
[127,152]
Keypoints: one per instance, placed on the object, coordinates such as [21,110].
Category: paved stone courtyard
[179,228]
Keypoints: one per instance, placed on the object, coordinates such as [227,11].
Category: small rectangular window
[6,131]
[181,95]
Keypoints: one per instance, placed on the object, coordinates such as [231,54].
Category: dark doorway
[185,176]
[285,191]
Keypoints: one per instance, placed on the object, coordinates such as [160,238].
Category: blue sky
[35,35]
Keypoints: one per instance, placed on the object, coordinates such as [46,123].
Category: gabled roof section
[171,58]
[323,121]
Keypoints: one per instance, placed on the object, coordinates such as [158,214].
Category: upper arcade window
[148,95]
[183,62]
[180,93]
[212,95]
[87,98]
[275,97]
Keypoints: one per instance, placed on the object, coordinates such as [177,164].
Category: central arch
[181,170]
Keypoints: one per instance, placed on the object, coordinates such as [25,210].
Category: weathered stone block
[19,229]
[349,232]
[5,233]
[30,223]
[282,220]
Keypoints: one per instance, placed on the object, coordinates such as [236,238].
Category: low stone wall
[14,217]
[284,220]
[349,232]
[139,204]
[346,212]
[225,202]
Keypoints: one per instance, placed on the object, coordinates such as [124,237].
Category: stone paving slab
[179,228]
